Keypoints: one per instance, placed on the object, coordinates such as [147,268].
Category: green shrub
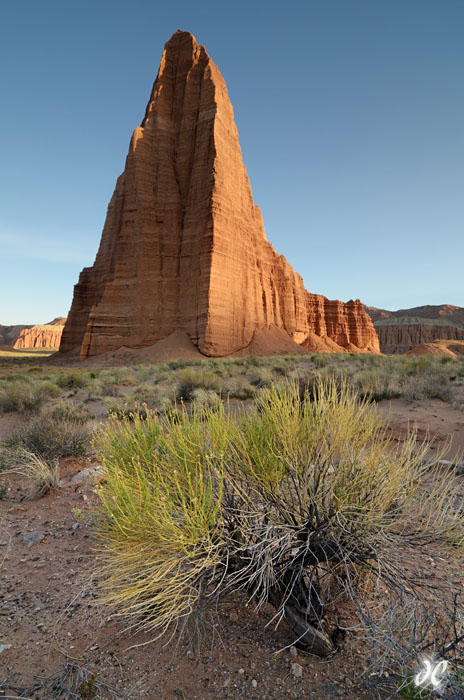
[22,397]
[50,438]
[261,377]
[72,379]
[238,388]
[127,408]
[205,398]
[303,504]
[66,410]
[177,364]
[191,379]
[320,360]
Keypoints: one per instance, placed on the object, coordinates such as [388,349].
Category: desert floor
[50,623]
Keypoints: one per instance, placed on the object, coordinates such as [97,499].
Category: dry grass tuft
[44,475]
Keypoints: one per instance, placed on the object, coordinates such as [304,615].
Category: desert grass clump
[43,474]
[190,379]
[261,377]
[169,517]
[320,360]
[304,504]
[238,388]
[177,364]
[72,379]
[23,397]
[378,383]
[148,394]
[94,390]
[47,389]
[127,377]
[426,378]
[418,388]
[127,408]
[68,411]
[205,398]
[49,438]
[119,376]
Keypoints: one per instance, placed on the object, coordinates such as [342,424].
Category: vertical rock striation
[184,246]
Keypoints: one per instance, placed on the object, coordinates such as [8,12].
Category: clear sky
[351,121]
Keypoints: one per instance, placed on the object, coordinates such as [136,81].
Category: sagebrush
[303,502]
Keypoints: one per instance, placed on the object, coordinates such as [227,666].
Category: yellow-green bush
[303,503]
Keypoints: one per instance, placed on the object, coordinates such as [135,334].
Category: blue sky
[350,115]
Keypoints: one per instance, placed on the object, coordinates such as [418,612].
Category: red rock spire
[183,246]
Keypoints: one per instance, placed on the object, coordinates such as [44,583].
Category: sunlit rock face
[184,246]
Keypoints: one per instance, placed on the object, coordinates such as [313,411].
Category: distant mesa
[404,330]
[46,335]
[183,258]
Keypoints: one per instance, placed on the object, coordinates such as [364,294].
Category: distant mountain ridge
[400,331]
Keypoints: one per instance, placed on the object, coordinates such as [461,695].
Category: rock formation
[46,335]
[8,334]
[447,348]
[184,247]
[400,331]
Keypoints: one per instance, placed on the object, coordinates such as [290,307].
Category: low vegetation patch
[190,379]
[302,502]
[69,412]
[72,379]
[49,437]
[44,475]
[25,397]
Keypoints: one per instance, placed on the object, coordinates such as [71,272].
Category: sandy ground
[436,419]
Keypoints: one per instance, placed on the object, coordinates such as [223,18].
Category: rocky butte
[400,331]
[47,335]
[183,251]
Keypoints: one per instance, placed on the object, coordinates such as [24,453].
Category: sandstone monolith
[184,246]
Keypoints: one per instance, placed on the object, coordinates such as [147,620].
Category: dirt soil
[435,419]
